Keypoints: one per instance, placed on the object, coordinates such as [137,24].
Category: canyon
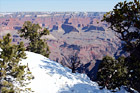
[70,32]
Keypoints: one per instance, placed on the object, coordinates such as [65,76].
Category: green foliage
[125,20]
[33,33]
[12,73]
[134,72]
[112,73]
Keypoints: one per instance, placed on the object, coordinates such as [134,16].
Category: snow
[0,49]
[0,53]
[51,77]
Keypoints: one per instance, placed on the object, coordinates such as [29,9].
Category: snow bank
[0,49]
[51,77]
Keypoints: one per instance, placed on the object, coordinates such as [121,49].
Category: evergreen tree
[125,20]
[12,73]
[112,73]
[33,33]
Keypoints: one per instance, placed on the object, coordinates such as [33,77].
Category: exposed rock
[92,27]
[92,41]
[54,28]
[69,28]
[17,27]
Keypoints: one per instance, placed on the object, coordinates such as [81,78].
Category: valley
[69,32]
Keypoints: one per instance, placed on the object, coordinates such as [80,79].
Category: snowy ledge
[51,77]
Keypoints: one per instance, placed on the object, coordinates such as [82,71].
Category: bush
[112,73]
[33,33]
[12,73]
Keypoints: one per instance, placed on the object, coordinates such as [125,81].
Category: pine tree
[125,20]
[12,73]
[112,73]
[33,33]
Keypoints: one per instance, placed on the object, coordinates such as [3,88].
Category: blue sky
[57,5]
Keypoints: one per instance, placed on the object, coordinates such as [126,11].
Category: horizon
[58,5]
[54,12]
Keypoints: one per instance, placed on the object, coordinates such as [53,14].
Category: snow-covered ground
[51,77]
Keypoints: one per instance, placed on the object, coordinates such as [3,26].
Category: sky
[57,5]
